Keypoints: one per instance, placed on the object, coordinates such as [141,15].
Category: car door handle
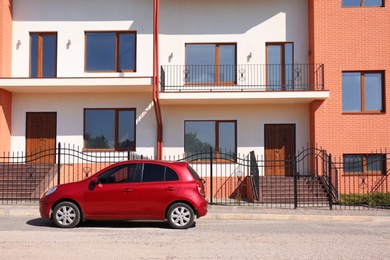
[127,190]
[170,189]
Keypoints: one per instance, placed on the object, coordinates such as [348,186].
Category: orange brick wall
[5,37]
[349,39]
[5,120]
[5,71]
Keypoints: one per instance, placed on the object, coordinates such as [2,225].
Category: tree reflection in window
[109,129]
[201,137]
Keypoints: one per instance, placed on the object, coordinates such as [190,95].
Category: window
[210,63]
[120,174]
[43,55]
[109,129]
[110,51]
[364,163]
[155,172]
[280,60]
[362,92]
[361,3]
[220,136]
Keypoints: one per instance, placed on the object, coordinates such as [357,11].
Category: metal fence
[309,179]
[262,77]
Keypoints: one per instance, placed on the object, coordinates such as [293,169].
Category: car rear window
[193,173]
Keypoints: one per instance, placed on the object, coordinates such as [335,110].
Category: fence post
[330,182]
[296,175]
[211,175]
[58,163]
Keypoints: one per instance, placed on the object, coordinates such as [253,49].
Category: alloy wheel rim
[65,215]
[180,216]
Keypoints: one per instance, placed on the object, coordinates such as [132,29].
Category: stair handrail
[380,182]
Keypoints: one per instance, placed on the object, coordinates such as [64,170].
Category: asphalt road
[27,237]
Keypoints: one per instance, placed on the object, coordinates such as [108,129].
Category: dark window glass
[170,175]
[352,99]
[362,91]
[280,66]
[375,163]
[132,170]
[350,2]
[34,56]
[153,173]
[110,51]
[201,136]
[227,61]
[210,63]
[364,163]
[126,135]
[126,52]
[373,91]
[118,174]
[372,2]
[99,129]
[353,163]
[102,124]
[101,49]
[43,55]
[347,3]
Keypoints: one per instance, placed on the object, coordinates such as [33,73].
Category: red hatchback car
[130,190]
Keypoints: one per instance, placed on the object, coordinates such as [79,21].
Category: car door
[157,189]
[113,196]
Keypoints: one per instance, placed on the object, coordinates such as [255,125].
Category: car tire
[66,215]
[180,216]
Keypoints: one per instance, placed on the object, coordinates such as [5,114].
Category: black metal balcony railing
[290,77]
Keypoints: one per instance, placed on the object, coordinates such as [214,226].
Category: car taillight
[200,190]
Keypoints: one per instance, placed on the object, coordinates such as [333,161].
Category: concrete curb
[239,216]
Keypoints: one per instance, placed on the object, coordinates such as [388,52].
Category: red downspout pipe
[156,101]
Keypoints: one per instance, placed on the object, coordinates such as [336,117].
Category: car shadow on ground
[42,222]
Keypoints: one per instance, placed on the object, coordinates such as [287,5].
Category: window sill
[364,113]
[361,174]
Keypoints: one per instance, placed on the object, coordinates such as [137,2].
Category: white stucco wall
[250,124]
[249,24]
[70,116]
[70,19]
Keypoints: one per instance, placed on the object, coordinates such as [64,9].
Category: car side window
[170,175]
[154,173]
[120,174]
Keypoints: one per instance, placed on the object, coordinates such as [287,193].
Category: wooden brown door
[41,137]
[279,149]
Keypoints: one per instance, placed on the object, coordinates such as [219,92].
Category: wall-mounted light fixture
[170,57]
[249,57]
[68,44]
[18,44]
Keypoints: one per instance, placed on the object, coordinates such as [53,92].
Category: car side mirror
[94,181]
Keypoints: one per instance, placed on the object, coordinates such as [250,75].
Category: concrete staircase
[23,181]
[280,189]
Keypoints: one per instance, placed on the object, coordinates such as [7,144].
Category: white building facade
[234,75]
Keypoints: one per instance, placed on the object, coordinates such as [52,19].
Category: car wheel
[180,216]
[66,215]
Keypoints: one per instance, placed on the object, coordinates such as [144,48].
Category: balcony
[77,84]
[299,83]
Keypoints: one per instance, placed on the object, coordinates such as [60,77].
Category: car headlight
[50,191]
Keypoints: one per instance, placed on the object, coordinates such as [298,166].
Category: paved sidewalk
[250,213]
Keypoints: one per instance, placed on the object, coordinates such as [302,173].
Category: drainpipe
[156,102]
